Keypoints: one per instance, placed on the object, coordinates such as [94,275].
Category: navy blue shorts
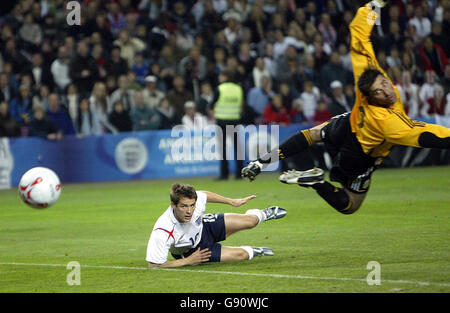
[213,232]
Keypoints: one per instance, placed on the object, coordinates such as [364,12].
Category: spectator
[122,94]
[6,91]
[116,65]
[259,97]
[84,121]
[345,58]
[322,114]
[219,60]
[276,113]
[21,107]
[193,66]
[206,100]
[433,57]
[8,125]
[140,67]
[340,103]
[30,32]
[439,38]
[16,58]
[310,96]
[129,46]
[327,30]
[41,126]
[116,18]
[393,60]
[233,29]
[71,102]
[331,71]
[41,98]
[142,116]
[151,94]
[98,105]
[269,60]
[288,64]
[259,70]
[179,95]
[193,119]
[59,116]
[99,57]
[100,25]
[60,69]
[120,118]
[83,69]
[40,74]
[167,114]
[410,95]
[395,36]
[420,22]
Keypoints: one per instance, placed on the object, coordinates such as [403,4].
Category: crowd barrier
[150,154]
[128,156]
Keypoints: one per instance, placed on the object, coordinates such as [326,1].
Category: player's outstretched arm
[400,130]
[361,49]
[216,198]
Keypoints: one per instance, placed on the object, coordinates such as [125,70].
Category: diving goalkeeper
[359,139]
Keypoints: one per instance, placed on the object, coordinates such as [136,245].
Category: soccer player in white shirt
[192,237]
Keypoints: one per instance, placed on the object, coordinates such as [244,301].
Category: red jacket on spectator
[280,115]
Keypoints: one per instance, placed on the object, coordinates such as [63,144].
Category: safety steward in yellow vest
[228,107]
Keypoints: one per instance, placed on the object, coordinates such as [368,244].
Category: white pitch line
[419,283]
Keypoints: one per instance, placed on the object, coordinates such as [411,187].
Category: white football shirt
[169,235]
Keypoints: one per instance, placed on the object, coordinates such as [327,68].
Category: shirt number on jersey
[193,240]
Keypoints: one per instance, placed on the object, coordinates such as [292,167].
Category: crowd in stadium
[152,64]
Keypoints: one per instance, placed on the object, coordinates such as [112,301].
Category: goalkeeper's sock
[334,196]
[290,147]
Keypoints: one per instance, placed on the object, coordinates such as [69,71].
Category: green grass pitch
[404,225]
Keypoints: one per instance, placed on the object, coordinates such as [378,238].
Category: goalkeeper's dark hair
[179,191]
[366,80]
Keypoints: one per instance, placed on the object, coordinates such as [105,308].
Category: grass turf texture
[403,225]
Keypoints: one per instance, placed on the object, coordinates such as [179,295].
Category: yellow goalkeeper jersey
[378,128]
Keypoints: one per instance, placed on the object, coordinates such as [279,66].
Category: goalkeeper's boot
[262,251]
[251,170]
[274,213]
[303,178]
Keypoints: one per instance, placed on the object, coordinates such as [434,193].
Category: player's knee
[252,221]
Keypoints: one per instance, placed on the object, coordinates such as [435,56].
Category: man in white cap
[193,119]
[151,94]
[340,103]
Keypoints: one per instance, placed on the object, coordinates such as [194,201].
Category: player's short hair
[179,191]
[366,80]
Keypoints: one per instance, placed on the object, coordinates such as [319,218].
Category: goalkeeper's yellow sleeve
[400,130]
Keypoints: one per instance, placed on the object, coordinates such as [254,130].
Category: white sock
[258,213]
[249,251]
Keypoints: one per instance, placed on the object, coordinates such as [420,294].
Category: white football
[39,187]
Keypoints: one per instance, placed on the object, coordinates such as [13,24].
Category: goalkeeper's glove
[251,170]
[380,3]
